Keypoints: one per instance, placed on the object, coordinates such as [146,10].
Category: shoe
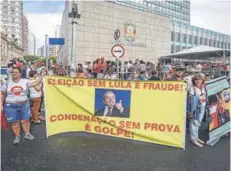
[17,139]
[37,122]
[197,144]
[42,118]
[29,136]
[200,141]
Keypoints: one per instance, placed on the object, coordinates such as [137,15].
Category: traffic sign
[56,41]
[117,51]
[117,34]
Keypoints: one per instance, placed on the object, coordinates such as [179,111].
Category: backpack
[24,71]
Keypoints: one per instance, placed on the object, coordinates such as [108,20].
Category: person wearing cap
[177,75]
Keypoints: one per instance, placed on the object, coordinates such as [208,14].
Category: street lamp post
[74,15]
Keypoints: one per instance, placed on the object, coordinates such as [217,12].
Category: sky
[43,16]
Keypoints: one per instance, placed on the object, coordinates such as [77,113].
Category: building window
[228,45]
[222,44]
[214,43]
[195,40]
[218,44]
[200,40]
[173,36]
[190,39]
[172,49]
[210,42]
[178,37]
[184,38]
[206,41]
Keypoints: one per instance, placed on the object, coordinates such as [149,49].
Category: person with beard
[177,75]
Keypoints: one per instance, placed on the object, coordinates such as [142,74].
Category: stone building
[9,50]
[143,35]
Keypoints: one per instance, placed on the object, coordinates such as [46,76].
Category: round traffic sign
[117,51]
[117,34]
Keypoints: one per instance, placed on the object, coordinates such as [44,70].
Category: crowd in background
[24,79]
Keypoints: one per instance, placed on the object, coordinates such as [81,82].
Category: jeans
[194,124]
[17,112]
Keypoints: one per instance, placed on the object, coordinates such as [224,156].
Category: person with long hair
[15,103]
[43,73]
[196,108]
[35,94]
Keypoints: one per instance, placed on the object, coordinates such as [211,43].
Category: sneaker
[37,122]
[29,136]
[17,139]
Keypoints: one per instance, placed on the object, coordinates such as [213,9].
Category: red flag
[3,121]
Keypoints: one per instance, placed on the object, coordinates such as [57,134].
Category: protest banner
[144,111]
[219,108]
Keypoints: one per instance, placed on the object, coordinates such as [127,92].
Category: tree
[29,58]
[53,59]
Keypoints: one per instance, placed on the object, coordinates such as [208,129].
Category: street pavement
[89,152]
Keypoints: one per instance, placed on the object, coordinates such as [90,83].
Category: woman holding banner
[15,102]
[196,108]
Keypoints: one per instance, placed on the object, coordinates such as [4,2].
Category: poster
[219,108]
[151,112]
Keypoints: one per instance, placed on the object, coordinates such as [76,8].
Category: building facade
[176,10]
[31,44]
[143,35]
[183,35]
[25,31]
[9,50]
[11,19]
[56,48]
[42,51]
[186,36]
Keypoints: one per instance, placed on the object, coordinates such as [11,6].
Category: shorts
[17,112]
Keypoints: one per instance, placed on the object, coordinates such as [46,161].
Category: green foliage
[42,59]
[28,58]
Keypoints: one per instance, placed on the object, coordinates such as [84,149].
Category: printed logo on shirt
[9,118]
[16,90]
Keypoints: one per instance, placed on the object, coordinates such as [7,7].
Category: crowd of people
[22,94]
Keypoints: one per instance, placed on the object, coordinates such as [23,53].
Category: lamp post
[74,15]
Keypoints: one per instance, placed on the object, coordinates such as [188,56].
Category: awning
[200,52]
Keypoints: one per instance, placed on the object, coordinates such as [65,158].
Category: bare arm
[36,82]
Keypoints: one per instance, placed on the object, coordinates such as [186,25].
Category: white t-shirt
[16,92]
[199,92]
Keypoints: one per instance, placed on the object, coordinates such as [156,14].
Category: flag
[3,121]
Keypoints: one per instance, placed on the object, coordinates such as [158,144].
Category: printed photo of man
[112,109]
